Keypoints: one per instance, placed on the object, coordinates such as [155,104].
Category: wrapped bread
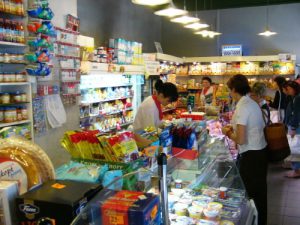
[25,162]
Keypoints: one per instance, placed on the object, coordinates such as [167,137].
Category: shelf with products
[14,123]
[113,112]
[105,100]
[14,44]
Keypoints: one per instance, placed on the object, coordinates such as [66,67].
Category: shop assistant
[150,111]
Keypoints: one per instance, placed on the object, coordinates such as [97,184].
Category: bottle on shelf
[1,5]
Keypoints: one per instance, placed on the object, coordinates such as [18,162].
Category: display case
[206,190]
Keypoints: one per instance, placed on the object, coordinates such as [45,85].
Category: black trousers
[253,167]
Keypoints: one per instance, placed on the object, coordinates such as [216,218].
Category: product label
[29,209]
[11,170]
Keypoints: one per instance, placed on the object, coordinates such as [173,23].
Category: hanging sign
[232,50]
[72,23]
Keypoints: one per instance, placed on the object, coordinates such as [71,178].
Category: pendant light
[267,32]
[151,2]
[171,11]
[196,25]
[185,19]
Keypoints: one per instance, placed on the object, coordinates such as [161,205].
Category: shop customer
[247,130]
[258,93]
[150,111]
[207,96]
[280,100]
[292,121]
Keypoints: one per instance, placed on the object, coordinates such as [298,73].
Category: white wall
[50,142]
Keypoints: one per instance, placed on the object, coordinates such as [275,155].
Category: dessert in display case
[204,190]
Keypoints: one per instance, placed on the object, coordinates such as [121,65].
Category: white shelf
[106,114]
[12,44]
[106,100]
[15,83]
[102,68]
[14,123]
[105,86]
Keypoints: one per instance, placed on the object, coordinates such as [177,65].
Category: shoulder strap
[264,115]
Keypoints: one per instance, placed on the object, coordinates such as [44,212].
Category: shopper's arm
[295,120]
[275,103]
[239,135]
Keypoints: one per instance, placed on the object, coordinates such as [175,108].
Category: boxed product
[8,193]
[129,208]
[59,201]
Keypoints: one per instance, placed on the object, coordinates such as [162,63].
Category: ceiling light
[208,33]
[151,2]
[196,26]
[171,12]
[185,19]
[267,33]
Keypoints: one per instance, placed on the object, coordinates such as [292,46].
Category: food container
[10,115]
[193,115]
[180,209]
[24,97]
[215,206]
[24,112]
[1,77]
[186,201]
[17,97]
[226,222]
[5,98]
[1,114]
[20,77]
[195,212]
[223,192]
[211,214]
[178,183]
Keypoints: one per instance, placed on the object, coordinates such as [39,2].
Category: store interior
[72,78]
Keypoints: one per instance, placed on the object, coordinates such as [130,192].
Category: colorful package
[129,208]
[81,172]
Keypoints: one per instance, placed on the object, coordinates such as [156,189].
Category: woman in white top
[207,93]
[150,113]
[247,131]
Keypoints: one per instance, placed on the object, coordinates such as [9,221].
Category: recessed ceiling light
[171,12]
[185,19]
[150,2]
[196,26]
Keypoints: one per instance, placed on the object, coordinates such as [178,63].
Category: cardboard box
[8,194]
[59,201]
[129,208]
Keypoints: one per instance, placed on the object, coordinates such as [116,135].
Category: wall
[51,141]
[119,18]
[239,26]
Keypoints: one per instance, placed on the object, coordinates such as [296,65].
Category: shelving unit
[102,81]
[16,66]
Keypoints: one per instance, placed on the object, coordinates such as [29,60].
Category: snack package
[25,162]
[110,176]
[81,172]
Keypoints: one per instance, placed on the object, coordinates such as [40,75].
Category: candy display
[44,13]
[15,7]
[86,145]
[11,30]
[24,162]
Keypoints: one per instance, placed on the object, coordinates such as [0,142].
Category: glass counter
[207,190]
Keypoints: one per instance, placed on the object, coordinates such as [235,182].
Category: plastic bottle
[14,32]
[22,33]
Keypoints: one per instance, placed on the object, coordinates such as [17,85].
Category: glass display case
[206,190]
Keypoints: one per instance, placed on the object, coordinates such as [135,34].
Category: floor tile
[288,220]
[275,219]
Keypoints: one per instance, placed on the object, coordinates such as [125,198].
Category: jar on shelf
[1,77]
[6,58]
[12,77]
[1,114]
[24,112]
[5,98]
[10,115]
[17,97]
[23,97]
[19,114]
[20,77]
[1,57]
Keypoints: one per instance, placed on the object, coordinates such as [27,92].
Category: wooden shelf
[14,123]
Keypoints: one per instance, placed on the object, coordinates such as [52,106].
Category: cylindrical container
[20,77]
[5,97]
[223,192]
[6,77]
[180,209]
[1,77]
[24,113]
[23,97]
[12,77]
[10,115]
[19,114]
[6,58]
[178,183]
[1,114]
[195,212]
[17,97]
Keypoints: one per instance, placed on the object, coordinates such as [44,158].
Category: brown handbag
[278,146]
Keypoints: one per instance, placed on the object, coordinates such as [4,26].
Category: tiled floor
[283,197]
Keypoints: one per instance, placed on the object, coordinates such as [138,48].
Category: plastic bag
[294,144]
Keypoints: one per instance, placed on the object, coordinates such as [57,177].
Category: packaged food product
[17,97]
[129,208]
[207,222]
[180,209]
[25,162]
[1,114]
[215,205]
[10,114]
[81,172]
[226,222]
[5,98]
[211,214]
[195,212]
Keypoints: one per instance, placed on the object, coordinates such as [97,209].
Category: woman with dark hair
[207,93]
[247,130]
[150,112]
[280,100]
[292,121]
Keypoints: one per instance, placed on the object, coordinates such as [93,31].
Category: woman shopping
[207,96]
[247,130]
[150,112]
[292,121]
[280,102]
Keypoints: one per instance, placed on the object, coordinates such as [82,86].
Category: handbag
[278,146]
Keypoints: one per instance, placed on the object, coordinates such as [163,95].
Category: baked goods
[25,162]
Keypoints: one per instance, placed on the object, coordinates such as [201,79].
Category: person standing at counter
[150,111]
[247,130]
[207,93]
